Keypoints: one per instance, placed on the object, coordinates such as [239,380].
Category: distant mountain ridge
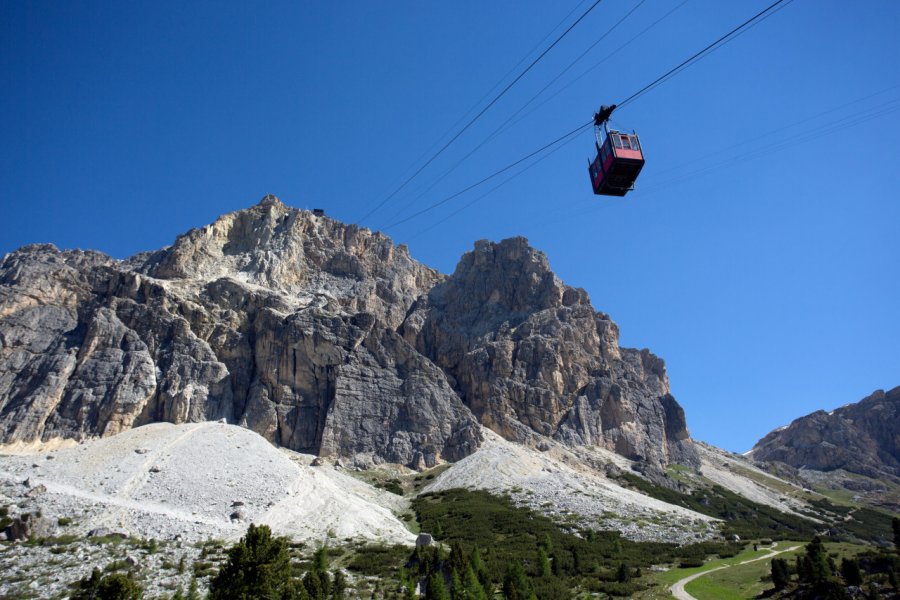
[325,338]
[862,438]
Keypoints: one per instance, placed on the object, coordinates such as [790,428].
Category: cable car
[619,157]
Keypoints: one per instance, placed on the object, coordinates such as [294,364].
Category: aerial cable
[584,73]
[881,110]
[485,109]
[655,83]
[492,175]
[773,131]
[776,146]
[487,93]
[709,49]
[491,191]
[499,129]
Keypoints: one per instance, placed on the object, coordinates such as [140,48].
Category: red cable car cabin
[618,163]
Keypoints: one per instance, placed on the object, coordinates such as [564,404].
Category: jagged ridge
[325,338]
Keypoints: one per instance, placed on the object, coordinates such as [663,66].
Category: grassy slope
[747,581]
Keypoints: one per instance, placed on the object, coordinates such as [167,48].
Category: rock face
[529,355]
[862,438]
[324,338]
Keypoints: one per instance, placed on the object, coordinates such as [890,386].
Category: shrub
[115,586]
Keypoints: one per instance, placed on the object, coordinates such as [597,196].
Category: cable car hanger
[619,160]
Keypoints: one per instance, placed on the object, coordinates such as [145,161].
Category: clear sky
[758,255]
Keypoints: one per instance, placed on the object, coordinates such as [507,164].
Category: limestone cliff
[325,338]
[529,354]
[862,438]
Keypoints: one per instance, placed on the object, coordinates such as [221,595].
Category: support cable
[485,109]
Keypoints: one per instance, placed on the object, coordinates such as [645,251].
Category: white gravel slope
[163,480]
[546,483]
[720,466]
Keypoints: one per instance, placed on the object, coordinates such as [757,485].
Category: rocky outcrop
[529,355]
[274,318]
[862,438]
[324,338]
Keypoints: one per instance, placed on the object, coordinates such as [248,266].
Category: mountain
[280,367]
[855,447]
[327,339]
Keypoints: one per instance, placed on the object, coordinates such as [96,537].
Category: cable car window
[617,141]
[625,142]
[634,143]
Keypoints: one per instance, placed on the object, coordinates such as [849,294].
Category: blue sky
[758,255]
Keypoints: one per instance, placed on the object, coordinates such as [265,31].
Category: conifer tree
[780,574]
[258,566]
[436,590]
[895,524]
[312,581]
[457,592]
[339,586]
[850,572]
[193,592]
[481,572]
[516,585]
[544,569]
[474,589]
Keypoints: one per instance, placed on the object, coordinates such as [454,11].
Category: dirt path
[679,592]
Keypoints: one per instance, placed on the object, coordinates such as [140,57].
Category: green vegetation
[392,485]
[818,570]
[580,559]
[5,520]
[114,586]
[866,524]
[260,566]
[743,517]
[379,561]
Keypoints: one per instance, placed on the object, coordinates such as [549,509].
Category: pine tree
[481,572]
[115,586]
[339,586]
[458,562]
[819,570]
[623,575]
[320,560]
[473,587]
[436,589]
[850,572]
[803,570]
[193,593]
[516,585]
[312,582]
[544,567]
[457,592]
[895,524]
[258,566]
[780,574]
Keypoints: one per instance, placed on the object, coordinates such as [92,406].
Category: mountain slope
[324,338]
[862,438]
[855,448]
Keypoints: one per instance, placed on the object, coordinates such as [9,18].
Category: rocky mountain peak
[325,338]
[861,438]
[531,357]
[502,282]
